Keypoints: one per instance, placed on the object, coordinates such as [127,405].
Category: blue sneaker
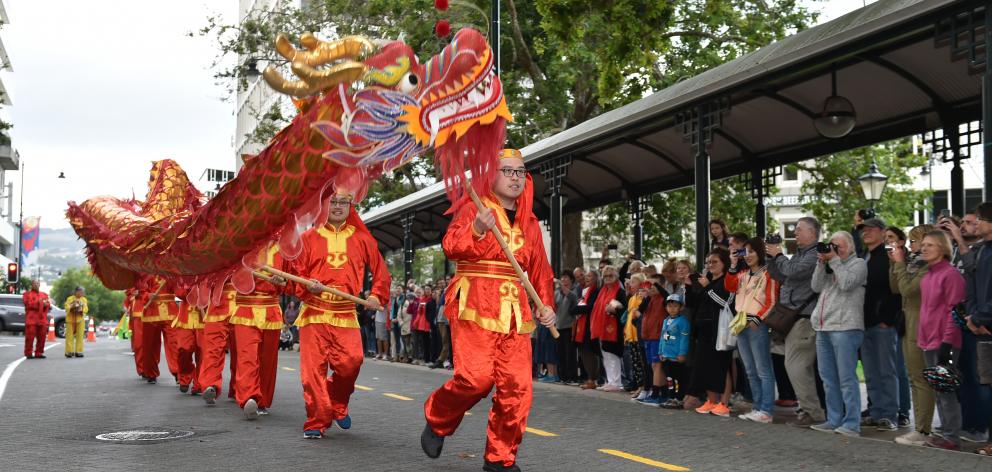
[344,423]
[312,434]
[550,379]
[653,400]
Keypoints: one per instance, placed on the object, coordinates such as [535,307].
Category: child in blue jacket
[673,349]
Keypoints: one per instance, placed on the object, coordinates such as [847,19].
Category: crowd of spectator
[756,329]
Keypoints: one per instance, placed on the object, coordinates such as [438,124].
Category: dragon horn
[325,78]
[295,88]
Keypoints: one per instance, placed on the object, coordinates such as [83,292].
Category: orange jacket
[261,308]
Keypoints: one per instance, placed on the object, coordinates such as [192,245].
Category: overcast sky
[101,88]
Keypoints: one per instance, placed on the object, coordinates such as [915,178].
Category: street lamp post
[873,184]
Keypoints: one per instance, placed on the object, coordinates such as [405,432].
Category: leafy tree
[104,304]
[669,221]
[563,61]
[23,284]
[834,182]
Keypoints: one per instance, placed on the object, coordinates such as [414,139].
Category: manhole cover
[144,435]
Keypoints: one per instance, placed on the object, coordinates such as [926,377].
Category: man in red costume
[157,316]
[187,332]
[335,255]
[218,337]
[36,308]
[490,318]
[257,320]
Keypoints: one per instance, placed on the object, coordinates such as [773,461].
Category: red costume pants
[171,349]
[323,345]
[258,357]
[137,333]
[482,359]
[189,355]
[217,337]
[35,334]
[151,347]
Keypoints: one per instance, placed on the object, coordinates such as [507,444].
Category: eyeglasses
[511,172]
[340,203]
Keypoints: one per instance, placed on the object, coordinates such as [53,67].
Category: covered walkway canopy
[907,66]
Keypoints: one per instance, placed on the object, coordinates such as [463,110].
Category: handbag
[725,341]
[781,318]
[739,323]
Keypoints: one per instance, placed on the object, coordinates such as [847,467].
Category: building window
[790,173]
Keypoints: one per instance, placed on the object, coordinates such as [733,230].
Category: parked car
[12,315]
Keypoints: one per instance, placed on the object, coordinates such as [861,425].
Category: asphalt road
[53,409]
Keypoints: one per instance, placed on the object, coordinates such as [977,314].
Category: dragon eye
[409,82]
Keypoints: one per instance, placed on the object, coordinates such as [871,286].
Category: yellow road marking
[398,397]
[362,387]
[642,460]
[540,432]
[289,369]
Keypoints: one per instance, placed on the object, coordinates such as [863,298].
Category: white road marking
[7,345]
[10,370]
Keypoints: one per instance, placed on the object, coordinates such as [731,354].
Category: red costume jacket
[337,257]
[36,307]
[163,306]
[260,308]
[485,289]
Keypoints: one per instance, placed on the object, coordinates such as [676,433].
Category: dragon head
[394,108]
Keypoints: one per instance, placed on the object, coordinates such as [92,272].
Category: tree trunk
[571,241]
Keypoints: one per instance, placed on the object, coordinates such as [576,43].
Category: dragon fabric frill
[342,138]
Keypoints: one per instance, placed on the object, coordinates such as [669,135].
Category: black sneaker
[152,381]
[40,356]
[79,354]
[499,467]
[29,357]
[431,443]
[184,388]
[69,356]
[904,421]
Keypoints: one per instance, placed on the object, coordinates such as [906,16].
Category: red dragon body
[342,137]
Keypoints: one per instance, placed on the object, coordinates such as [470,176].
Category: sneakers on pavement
[868,421]
[312,434]
[344,423]
[210,395]
[653,400]
[886,424]
[848,432]
[251,409]
[721,410]
[549,379]
[641,396]
[672,404]
[823,427]
[941,443]
[974,436]
[748,416]
[803,420]
[912,438]
[611,388]
[761,417]
[706,408]
[904,421]
[263,411]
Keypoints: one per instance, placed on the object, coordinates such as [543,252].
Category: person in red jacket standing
[335,254]
[490,317]
[36,308]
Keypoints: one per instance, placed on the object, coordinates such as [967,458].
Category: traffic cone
[91,333]
[51,329]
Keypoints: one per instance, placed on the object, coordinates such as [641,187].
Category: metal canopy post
[554,172]
[957,173]
[697,125]
[637,206]
[407,222]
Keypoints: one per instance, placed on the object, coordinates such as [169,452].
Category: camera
[740,252]
[773,238]
[945,213]
[866,214]
[824,248]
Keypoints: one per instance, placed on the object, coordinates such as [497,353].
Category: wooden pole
[266,278]
[513,260]
[152,298]
[310,283]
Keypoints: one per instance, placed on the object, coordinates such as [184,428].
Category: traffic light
[12,273]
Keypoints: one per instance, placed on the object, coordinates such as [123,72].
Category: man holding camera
[878,351]
[797,297]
